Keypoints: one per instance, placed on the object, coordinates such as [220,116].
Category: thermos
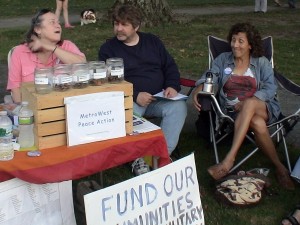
[208,87]
[208,84]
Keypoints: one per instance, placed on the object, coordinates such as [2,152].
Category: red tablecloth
[67,163]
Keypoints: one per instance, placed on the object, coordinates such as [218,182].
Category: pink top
[23,62]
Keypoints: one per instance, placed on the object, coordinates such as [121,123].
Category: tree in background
[155,11]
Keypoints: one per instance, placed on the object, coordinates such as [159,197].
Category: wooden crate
[49,111]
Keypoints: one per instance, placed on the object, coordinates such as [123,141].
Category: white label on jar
[65,79]
[83,77]
[41,80]
[91,72]
[117,72]
[99,75]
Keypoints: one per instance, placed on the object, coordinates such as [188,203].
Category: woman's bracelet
[54,49]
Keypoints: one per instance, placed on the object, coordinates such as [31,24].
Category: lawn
[187,42]
[28,7]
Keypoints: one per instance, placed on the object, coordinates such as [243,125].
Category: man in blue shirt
[150,68]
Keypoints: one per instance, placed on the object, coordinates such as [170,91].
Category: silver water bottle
[208,84]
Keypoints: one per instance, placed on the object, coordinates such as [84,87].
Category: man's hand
[144,99]
[170,93]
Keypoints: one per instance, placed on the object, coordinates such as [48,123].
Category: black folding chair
[225,124]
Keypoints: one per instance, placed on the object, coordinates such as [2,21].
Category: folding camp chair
[225,124]
[8,98]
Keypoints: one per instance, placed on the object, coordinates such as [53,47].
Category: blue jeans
[172,114]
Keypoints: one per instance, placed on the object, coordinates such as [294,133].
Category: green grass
[10,8]
[187,42]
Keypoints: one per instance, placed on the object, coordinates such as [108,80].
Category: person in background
[63,5]
[151,69]
[291,3]
[261,6]
[43,47]
[246,92]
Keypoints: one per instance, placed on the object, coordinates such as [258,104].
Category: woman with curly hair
[246,92]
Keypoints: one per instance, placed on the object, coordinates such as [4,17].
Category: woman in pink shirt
[43,47]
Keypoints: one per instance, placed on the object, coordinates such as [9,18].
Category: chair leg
[286,152]
[212,137]
[243,160]
[256,149]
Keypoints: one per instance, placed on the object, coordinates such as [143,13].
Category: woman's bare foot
[219,170]
[69,26]
[284,179]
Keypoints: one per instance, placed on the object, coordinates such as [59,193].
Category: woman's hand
[37,44]
[238,106]
[195,97]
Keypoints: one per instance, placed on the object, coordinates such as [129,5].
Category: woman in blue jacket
[246,91]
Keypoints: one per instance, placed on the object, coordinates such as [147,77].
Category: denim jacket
[263,72]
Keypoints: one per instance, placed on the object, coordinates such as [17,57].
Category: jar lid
[112,60]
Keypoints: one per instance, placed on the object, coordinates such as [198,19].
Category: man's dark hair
[253,37]
[127,13]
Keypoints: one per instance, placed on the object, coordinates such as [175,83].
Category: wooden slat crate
[49,111]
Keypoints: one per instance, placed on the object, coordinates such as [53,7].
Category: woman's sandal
[218,171]
[291,217]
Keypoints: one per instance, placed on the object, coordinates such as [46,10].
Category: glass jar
[80,75]
[115,70]
[98,73]
[43,80]
[62,78]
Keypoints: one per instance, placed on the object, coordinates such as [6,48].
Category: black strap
[292,220]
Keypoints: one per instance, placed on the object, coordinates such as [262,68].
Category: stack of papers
[160,95]
[141,125]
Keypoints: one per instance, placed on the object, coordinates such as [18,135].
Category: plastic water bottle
[6,145]
[26,136]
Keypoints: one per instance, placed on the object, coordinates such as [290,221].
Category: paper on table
[141,125]
[36,204]
[179,96]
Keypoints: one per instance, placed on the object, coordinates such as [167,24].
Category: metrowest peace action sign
[168,195]
[95,117]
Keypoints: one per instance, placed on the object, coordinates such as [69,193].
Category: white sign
[169,195]
[36,204]
[95,117]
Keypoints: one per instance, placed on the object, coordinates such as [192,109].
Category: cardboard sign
[95,117]
[169,195]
